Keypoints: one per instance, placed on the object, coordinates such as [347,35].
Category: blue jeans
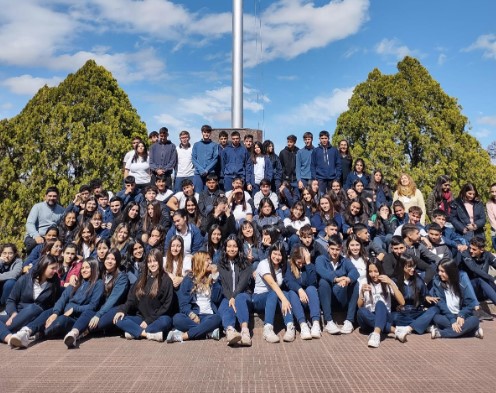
[418,320]
[208,323]
[345,298]
[227,314]
[380,318]
[243,304]
[267,303]
[106,320]
[131,324]
[59,327]
[470,326]
[484,289]
[6,287]
[299,308]
[25,315]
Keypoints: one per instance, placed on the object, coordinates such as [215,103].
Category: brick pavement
[332,364]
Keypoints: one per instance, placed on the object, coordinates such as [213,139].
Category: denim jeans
[106,320]
[131,324]
[299,308]
[25,315]
[208,323]
[6,287]
[345,298]
[470,326]
[484,290]
[244,305]
[418,320]
[380,318]
[267,303]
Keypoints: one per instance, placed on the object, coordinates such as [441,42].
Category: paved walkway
[332,364]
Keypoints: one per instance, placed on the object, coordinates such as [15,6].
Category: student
[191,207]
[294,223]
[353,215]
[68,227]
[455,242]
[248,142]
[145,314]
[139,166]
[198,295]
[438,246]
[163,157]
[491,213]
[324,214]
[385,224]
[133,264]
[213,243]
[176,264]
[97,222]
[413,316]
[265,192]
[414,217]
[209,194]
[456,302]
[131,217]
[235,275]
[205,156]
[408,193]
[476,262]
[357,174]
[185,165]
[356,253]
[74,301]
[10,270]
[370,248]
[115,291]
[191,235]
[307,241]
[391,259]
[248,236]
[156,214]
[287,156]
[383,195]
[323,237]
[236,162]
[163,192]
[467,213]
[156,237]
[86,240]
[268,147]
[102,248]
[178,200]
[346,159]
[400,213]
[374,302]
[223,143]
[267,215]
[441,197]
[239,206]
[50,247]
[308,200]
[222,216]
[32,294]
[130,193]
[70,266]
[338,286]
[262,168]
[51,235]
[269,292]
[121,238]
[326,163]
[304,161]
[301,279]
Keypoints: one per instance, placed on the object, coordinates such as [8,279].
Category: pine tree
[406,122]
[65,136]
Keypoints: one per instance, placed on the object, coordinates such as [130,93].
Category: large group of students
[202,235]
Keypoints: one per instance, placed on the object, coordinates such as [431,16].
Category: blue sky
[302,58]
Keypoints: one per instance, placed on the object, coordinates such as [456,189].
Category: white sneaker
[305,333]
[128,336]
[290,334]
[401,333]
[435,333]
[20,339]
[315,331]
[332,328]
[479,333]
[214,335]
[269,335]
[347,327]
[70,339]
[374,340]
[232,337]
[159,336]
[175,336]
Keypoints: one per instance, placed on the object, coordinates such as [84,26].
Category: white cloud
[482,133]
[393,47]
[487,43]
[287,77]
[28,85]
[441,59]
[487,120]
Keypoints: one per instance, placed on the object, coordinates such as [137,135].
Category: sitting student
[222,216]
[413,316]
[209,194]
[50,247]
[239,206]
[384,226]
[10,270]
[191,235]
[391,260]
[414,217]
[270,235]
[467,213]
[399,212]
[306,240]
[438,247]
[248,235]
[235,275]
[133,264]
[301,279]
[287,197]
[331,228]
[176,264]
[213,243]
[267,215]
[71,265]
[32,294]
[337,286]
[371,248]
[353,215]
[116,207]
[130,193]
[456,301]
[324,214]
[51,235]
[198,295]
[476,262]
[146,311]
[294,223]
[426,260]
[265,192]
[104,208]
[74,301]
[163,193]
[374,302]
[178,200]
[455,242]
[115,292]
[357,255]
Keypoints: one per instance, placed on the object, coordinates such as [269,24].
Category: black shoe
[482,315]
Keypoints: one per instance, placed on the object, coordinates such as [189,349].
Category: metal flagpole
[237,66]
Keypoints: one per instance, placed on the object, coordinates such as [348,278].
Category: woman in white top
[357,255]
[139,166]
[240,208]
[176,264]
[268,293]
[374,302]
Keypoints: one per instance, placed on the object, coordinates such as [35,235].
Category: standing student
[235,276]
[441,197]
[139,166]
[32,294]
[205,156]
[326,163]
[374,302]
[304,161]
[262,168]
[269,292]
[145,314]
[346,159]
[456,302]
[235,162]
[199,294]
[268,147]
[74,301]
[115,291]
[287,156]
[163,157]
[185,168]
[301,279]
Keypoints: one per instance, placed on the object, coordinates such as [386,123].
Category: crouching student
[198,295]
[301,279]
[338,286]
[413,316]
[374,302]
[32,294]
[74,301]
[146,311]
[235,275]
[456,301]
[268,293]
[115,291]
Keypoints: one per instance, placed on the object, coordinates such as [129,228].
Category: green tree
[65,136]
[406,122]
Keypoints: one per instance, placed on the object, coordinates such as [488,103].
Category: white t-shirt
[259,169]
[37,288]
[452,301]
[361,266]
[186,265]
[181,198]
[128,155]
[204,304]
[185,166]
[239,213]
[140,169]
[163,196]
[296,224]
[261,285]
[376,295]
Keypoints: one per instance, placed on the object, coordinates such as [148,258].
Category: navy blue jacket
[308,277]
[352,176]
[326,271]
[85,298]
[236,162]
[460,219]
[196,238]
[478,268]
[187,299]
[205,155]
[117,295]
[326,163]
